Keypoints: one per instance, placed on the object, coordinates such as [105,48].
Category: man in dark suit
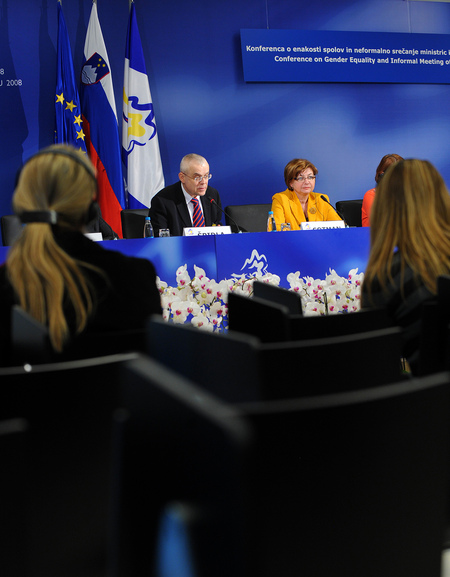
[173,207]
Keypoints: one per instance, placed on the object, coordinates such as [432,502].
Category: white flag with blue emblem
[140,146]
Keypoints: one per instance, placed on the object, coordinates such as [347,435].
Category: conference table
[225,256]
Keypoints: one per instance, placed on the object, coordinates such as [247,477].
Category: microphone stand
[213,201]
[335,209]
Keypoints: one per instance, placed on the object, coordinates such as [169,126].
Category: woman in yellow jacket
[299,203]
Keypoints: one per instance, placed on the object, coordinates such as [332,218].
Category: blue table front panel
[312,253]
[167,254]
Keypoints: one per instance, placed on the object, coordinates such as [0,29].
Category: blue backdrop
[248,132]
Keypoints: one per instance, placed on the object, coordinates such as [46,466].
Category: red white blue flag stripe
[100,123]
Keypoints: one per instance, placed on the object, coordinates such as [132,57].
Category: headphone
[51,216]
[64,152]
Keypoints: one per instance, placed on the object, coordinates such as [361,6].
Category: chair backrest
[133,220]
[279,295]
[352,475]
[226,365]
[443,284]
[65,457]
[267,487]
[30,342]
[351,211]
[331,365]
[14,444]
[433,339]
[434,345]
[195,471]
[248,217]
[334,325]
[11,228]
[268,321]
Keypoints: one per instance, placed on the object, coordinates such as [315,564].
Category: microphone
[335,209]
[213,201]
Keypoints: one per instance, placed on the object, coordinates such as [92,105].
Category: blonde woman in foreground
[410,246]
[61,278]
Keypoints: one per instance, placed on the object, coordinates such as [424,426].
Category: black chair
[349,484]
[351,211]
[248,217]
[268,321]
[331,365]
[334,325]
[237,367]
[340,482]
[30,342]
[272,322]
[278,295]
[14,443]
[95,344]
[176,453]
[62,469]
[433,339]
[226,365]
[63,465]
[11,228]
[434,346]
[98,224]
[133,220]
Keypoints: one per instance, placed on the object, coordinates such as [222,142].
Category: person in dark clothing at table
[189,202]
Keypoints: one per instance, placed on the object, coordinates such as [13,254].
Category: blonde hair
[42,274]
[411,213]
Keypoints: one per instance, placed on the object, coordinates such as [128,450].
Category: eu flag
[69,124]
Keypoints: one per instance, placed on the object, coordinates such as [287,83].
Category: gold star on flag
[70,106]
[80,134]
[60,98]
[78,120]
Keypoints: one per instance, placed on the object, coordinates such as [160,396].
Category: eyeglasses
[302,178]
[198,179]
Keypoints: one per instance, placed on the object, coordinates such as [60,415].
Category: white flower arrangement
[204,302]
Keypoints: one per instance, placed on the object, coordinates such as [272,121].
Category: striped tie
[198,219]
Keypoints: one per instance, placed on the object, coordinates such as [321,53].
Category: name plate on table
[322,224]
[95,236]
[206,230]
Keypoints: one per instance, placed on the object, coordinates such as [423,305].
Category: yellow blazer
[287,208]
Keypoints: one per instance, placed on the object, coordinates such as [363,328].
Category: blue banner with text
[331,56]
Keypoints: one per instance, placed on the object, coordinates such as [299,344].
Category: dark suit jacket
[97,224]
[169,210]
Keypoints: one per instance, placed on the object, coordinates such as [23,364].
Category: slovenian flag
[69,124]
[100,124]
[140,146]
